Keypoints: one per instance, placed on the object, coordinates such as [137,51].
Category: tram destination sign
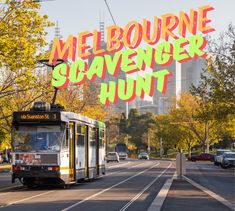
[35,116]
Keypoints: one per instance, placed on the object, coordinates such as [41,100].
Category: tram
[51,145]
[122,150]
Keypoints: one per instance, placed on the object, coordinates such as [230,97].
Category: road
[220,181]
[129,185]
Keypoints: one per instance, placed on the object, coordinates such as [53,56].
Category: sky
[76,16]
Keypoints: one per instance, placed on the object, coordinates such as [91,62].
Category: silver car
[112,156]
[1,159]
[228,159]
[219,156]
[143,155]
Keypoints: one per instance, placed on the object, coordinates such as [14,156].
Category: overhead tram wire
[105,1]
[110,12]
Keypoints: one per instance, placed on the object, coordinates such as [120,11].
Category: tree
[166,131]
[22,38]
[192,114]
[218,79]
[187,139]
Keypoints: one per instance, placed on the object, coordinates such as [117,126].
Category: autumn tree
[22,38]
[218,79]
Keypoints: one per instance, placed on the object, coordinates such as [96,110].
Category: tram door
[97,151]
[86,145]
[72,169]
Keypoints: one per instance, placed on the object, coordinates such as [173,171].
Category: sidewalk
[184,196]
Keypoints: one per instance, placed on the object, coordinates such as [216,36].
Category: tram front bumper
[35,172]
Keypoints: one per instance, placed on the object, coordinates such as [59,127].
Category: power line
[110,12]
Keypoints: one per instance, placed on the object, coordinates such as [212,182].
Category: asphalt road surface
[220,181]
[128,185]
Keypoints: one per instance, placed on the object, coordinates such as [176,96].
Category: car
[202,157]
[143,155]
[1,159]
[122,155]
[112,156]
[228,159]
[219,156]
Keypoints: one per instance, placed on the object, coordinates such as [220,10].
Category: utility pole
[148,143]
[161,150]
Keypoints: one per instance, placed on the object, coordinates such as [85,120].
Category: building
[189,73]
[163,101]
[95,86]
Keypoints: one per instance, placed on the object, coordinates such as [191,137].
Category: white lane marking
[117,165]
[25,199]
[157,203]
[22,187]
[123,169]
[107,189]
[10,187]
[5,193]
[144,189]
[211,193]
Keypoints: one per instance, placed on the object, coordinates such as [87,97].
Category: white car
[112,156]
[228,159]
[219,156]
[122,155]
[143,155]
[1,159]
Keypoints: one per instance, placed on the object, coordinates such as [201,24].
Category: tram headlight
[53,168]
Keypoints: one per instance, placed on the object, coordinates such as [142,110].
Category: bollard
[180,165]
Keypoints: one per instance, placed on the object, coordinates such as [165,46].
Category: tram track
[128,204]
[11,189]
[109,188]
[75,190]
[21,187]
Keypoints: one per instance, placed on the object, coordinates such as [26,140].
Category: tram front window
[39,138]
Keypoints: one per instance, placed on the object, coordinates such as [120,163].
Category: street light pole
[148,143]
[161,147]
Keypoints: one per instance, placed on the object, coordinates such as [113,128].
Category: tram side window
[102,138]
[93,136]
[81,130]
[65,139]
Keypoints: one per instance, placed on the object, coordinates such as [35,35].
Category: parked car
[143,155]
[228,159]
[112,156]
[1,159]
[219,156]
[202,157]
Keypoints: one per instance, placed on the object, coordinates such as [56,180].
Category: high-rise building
[189,73]
[95,86]
[163,101]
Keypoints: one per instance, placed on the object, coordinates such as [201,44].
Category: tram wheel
[29,183]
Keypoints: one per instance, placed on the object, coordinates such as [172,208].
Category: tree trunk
[189,151]
[207,147]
